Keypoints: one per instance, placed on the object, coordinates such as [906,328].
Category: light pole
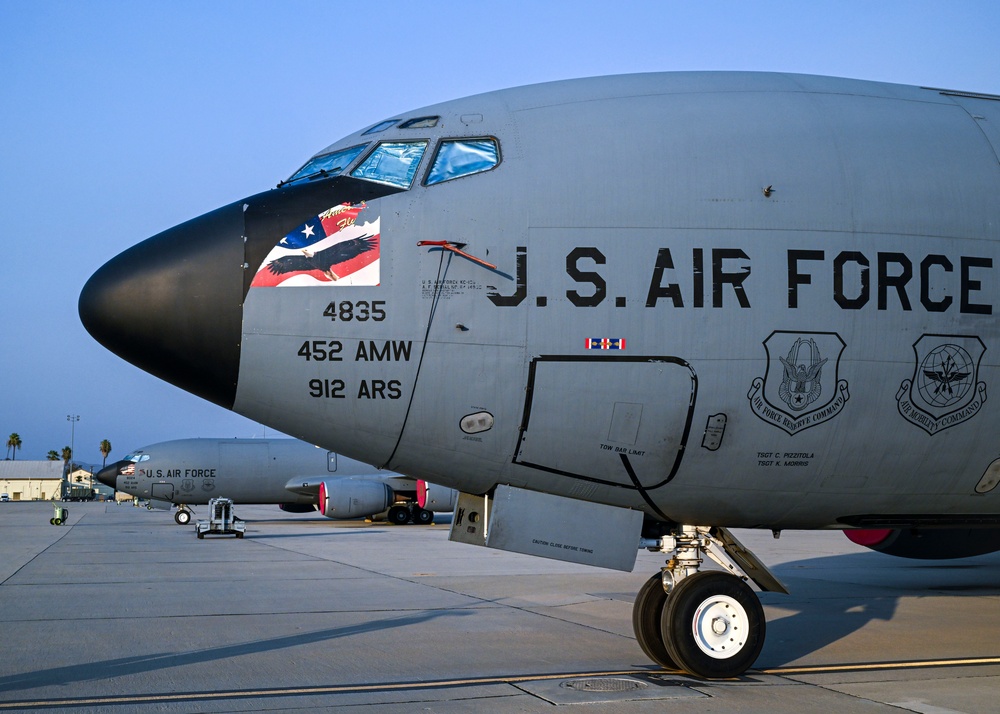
[72,419]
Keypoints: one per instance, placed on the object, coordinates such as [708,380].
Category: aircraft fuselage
[736,299]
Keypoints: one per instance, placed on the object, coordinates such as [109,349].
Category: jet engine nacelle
[353,498]
[435,498]
[928,543]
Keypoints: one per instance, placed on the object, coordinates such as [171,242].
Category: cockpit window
[327,165]
[393,163]
[461,157]
[381,126]
[136,457]
[420,123]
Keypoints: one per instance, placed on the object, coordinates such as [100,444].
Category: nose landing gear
[646,615]
[708,623]
[713,625]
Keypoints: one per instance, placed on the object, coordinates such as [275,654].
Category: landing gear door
[620,420]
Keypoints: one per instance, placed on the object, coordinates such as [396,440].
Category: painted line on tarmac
[882,666]
[468,682]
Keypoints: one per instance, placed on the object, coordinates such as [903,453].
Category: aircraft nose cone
[109,474]
[172,305]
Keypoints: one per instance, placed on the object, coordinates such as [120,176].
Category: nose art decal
[340,246]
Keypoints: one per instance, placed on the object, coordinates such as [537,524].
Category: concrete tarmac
[122,610]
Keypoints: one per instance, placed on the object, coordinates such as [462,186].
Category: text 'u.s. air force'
[718,277]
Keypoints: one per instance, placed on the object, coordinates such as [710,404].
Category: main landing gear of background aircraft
[708,623]
[403,514]
[183,516]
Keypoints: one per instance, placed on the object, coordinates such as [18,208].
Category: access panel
[616,420]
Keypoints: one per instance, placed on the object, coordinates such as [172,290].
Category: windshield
[393,163]
[461,157]
[327,165]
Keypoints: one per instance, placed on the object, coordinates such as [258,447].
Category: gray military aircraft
[619,313]
[297,476]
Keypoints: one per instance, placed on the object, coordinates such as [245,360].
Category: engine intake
[435,498]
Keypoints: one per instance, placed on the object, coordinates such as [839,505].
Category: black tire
[182,517]
[239,535]
[57,521]
[201,536]
[713,625]
[400,515]
[423,516]
[646,615]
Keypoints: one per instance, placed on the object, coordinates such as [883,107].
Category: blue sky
[120,119]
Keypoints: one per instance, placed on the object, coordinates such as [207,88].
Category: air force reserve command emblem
[800,388]
[943,391]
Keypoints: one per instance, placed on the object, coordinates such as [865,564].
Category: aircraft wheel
[182,517]
[713,625]
[400,515]
[423,516]
[646,615]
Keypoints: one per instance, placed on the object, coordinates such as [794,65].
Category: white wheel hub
[720,627]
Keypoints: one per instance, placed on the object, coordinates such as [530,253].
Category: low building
[81,484]
[31,480]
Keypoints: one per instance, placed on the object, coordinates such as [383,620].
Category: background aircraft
[619,312]
[297,476]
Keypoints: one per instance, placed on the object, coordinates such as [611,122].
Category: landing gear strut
[708,623]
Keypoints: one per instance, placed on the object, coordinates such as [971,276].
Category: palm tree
[105,450]
[52,455]
[67,454]
[13,444]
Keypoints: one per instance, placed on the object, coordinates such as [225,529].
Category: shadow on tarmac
[833,597]
[93,671]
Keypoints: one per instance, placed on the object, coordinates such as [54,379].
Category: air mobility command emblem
[801,387]
[944,391]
